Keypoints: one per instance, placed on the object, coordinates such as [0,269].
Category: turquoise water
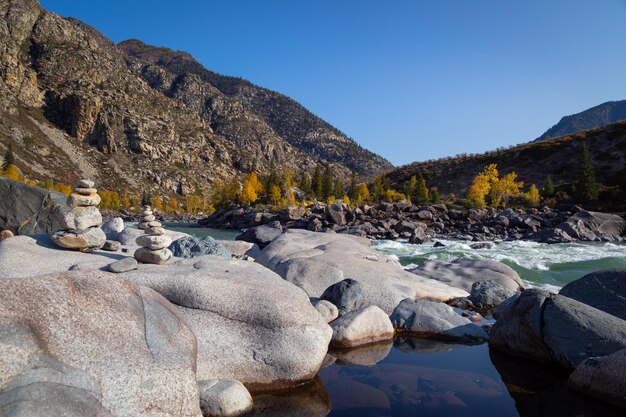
[200,232]
[538,264]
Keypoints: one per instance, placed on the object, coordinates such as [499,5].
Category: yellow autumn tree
[13,173]
[275,194]
[489,184]
[125,201]
[157,203]
[532,196]
[251,189]
[363,193]
[172,206]
[504,188]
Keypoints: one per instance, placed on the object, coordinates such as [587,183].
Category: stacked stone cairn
[154,241]
[83,219]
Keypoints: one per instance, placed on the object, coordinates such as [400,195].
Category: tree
[548,188]
[481,186]
[532,196]
[587,187]
[363,194]
[251,189]
[125,199]
[410,188]
[338,190]
[305,183]
[327,182]
[316,183]
[275,194]
[504,188]
[354,186]
[172,206]
[157,203]
[9,159]
[435,197]
[421,192]
[12,172]
[379,188]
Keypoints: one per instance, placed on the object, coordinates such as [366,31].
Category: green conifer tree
[316,183]
[548,188]
[587,187]
[9,159]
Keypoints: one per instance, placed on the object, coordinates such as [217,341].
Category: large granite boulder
[603,378]
[464,272]
[262,235]
[88,343]
[360,327]
[553,328]
[488,294]
[27,210]
[437,320]
[314,261]
[28,256]
[250,324]
[604,290]
[590,226]
[189,247]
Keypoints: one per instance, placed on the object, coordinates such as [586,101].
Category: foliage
[587,186]
[9,159]
[548,188]
[532,196]
[251,189]
[489,184]
[363,193]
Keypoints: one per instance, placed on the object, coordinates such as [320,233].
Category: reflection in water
[540,391]
[417,377]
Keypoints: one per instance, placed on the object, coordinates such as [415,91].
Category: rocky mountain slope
[533,162]
[595,117]
[73,104]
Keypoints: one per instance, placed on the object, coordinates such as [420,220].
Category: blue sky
[408,79]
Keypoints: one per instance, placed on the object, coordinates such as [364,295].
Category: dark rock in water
[552,235]
[482,245]
[604,290]
[335,213]
[262,235]
[554,328]
[427,318]
[438,244]
[590,226]
[347,295]
[291,213]
[603,378]
[123,265]
[189,247]
[419,236]
[28,210]
[486,294]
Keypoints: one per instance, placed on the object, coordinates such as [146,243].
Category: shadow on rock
[540,390]
[308,400]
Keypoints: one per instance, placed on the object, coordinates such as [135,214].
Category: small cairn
[84,219]
[154,242]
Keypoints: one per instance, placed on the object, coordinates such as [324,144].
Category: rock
[425,215]
[315,261]
[188,247]
[155,242]
[464,272]
[28,210]
[129,235]
[604,290]
[334,213]
[589,225]
[85,191]
[291,213]
[93,342]
[482,245]
[250,324]
[346,295]
[153,224]
[240,248]
[488,294]
[113,228]
[82,218]
[154,231]
[148,218]
[223,398]
[149,256]
[92,238]
[439,245]
[364,355]
[112,246]
[603,378]
[552,235]
[419,236]
[430,319]
[86,184]
[262,235]
[358,327]
[5,234]
[123,265]
[553,328]
[327,309]
[80,200]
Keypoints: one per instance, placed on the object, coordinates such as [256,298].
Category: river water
[424,378]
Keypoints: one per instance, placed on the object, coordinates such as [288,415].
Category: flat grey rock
[123,265]
[93,344]
[604,290]
[315,261]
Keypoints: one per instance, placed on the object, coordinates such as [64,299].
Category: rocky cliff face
[73,104]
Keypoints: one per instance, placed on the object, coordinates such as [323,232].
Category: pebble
[154,242]
[123,265]
[85,191]
[148,256]
[112,246]
[5,234]
[86,184]
[154,224]
[148,219]
[155,231]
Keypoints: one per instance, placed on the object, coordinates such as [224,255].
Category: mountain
[599,116]
[74,104]
[533,162]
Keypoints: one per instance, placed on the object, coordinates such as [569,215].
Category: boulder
[314,261]
[553,328]
[327,309]
[93,344]
[250,324]
[92,238]
[291,213]
[113,228]
[335,214]
[129,235]
[188,247]
[262,235]
[223,398]
[429,319]
[419,236]
[603,378]
[347,295]
[112,246]
[240,248]
[464,272]
[362,326]
[590,226]
[28,210]
[149,256]
[488,294]
[82,218]
[604,290]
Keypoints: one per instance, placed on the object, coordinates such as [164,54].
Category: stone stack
[154,242]
[84,219]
